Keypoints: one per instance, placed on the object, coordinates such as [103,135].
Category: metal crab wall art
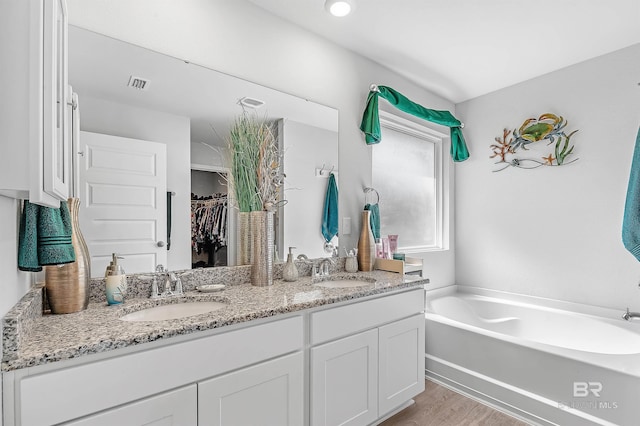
[548,127]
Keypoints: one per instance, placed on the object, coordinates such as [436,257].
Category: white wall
[207,156]
[306,148]
[553,232]
[14,283]
[101,116]
[237,37]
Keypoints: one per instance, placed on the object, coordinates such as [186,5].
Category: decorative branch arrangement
[548,127]
[256,175]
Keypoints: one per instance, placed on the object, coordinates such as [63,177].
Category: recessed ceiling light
[339,8]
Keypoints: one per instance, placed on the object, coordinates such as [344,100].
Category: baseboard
[518,403]
[487,400]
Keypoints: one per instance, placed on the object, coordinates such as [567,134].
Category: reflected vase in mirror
[261,225]
[366,244]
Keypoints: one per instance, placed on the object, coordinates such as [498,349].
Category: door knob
[160,243]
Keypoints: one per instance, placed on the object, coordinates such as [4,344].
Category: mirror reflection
[151,150]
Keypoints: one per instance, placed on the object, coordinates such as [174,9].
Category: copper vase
[262,239]
[67,286]
[366,244]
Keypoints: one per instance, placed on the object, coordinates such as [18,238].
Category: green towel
[45,237]
[330,212]
[374,219]
[371,122]
[631,217]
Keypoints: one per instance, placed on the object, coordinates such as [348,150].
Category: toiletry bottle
[290,271]
[116,282]
[351,263]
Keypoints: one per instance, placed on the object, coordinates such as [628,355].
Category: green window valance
[371,121]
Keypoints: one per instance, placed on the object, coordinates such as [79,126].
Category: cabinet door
[175,408]
[56,151]
[344,381]
[269,393]
[401,353]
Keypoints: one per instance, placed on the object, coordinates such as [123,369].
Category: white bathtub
[548,362]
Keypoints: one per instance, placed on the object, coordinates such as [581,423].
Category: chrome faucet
[322,268]
[630,315]
[167,279]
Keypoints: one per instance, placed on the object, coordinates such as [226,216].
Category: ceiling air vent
[251,102]
[138,83]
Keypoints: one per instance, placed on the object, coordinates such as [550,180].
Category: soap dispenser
[116,282]
[290,271]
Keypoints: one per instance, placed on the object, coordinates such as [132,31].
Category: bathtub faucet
[630,315]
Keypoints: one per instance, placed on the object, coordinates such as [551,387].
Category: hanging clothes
[209,225]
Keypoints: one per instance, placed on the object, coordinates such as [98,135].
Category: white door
[268,394]
[122,187]
[344,381]
[401,357]
[174,408]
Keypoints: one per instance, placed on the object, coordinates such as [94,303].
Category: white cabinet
[177,407]
[43,396]
[358,379]
[401,362]
[351,364]
[344,381]
[270,393]
[34,115]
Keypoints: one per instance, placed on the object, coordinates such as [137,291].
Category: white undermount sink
[343,283]
[173,311]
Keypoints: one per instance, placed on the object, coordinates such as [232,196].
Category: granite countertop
[31,338]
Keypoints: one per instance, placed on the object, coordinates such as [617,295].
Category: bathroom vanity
[289,354]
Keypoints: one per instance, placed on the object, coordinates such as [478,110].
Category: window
[408,174]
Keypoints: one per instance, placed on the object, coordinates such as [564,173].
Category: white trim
[519,403]
[209,168]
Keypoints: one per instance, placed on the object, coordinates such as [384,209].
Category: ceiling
[461,49]
[101,66]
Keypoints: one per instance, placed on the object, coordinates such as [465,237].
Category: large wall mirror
[151,140]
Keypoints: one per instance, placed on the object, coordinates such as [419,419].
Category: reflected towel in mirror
[330,212]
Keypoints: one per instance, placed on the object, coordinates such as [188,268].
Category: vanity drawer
[342,321]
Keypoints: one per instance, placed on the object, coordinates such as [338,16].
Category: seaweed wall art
[509,148]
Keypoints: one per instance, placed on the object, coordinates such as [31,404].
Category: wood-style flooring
[439,406]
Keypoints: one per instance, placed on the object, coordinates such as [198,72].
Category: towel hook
[332,168]
[374,88]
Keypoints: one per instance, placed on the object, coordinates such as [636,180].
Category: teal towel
[370,124]
[631,218]
[330,213]
[44,237]
[374,219]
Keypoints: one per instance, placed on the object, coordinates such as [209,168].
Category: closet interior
[209,219]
